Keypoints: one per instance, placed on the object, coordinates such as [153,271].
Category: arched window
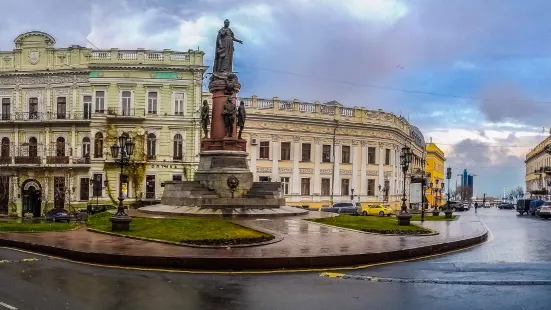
[98,145]
[86,147]
[151,146]
[60,147]
[5,151]
[33,147]
[178,147]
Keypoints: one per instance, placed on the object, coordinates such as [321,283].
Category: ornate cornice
[114,67]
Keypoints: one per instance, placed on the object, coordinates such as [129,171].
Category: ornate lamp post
[121,153]
[405,159]
[448,211]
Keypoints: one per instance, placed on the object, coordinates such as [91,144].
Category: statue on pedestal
[228,113]
[205,120]
[223,59]
[241,116]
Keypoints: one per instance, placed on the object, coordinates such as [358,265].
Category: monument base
[228,144]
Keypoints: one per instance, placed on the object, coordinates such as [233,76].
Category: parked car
[456,206]
[353,208]
[58,215]
[523,206]
[534,206]
[379,210]
[545,210]
[506,205]
[93,209]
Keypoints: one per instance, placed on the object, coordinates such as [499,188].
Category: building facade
[327,153]
[435,163]
[62,108]
[538,169]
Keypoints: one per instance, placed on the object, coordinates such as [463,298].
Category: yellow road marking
[4,261]
[30,260]
[332,274]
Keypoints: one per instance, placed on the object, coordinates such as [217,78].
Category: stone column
[73,142]
[337,171]
[355,163]
[275,158]
[16,146]
[363,170]
[318,149]
[296,162]
[380,180]
[253,155]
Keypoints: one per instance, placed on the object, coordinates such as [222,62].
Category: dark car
[93,209]
[344,208]
[58,215]
[507,206]
[523,206]
[455,206]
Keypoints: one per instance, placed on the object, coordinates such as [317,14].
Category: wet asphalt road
[519,250]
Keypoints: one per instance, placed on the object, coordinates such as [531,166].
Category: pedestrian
[475,206]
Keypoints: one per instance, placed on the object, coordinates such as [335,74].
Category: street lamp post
[448,211]
[121,153]
[404,217]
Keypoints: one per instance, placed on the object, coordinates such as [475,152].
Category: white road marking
[7,306]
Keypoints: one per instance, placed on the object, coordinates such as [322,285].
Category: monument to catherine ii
[223,183]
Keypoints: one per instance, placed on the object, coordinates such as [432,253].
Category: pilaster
[355,162]
[337,171]
[318,149]
[275,158]
[363,170]
[296,182]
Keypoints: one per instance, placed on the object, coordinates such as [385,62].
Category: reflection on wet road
[519,250]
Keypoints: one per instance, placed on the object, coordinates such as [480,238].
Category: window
[126,99]
[387,157]
[177,147]
[98,145]
[61,107]
[59,192]
[326,187]
[371,155]
[345,186]
[285,181]
[84,190]
[179,104]
[100,101]
[33,108]
[326,154]
[150,187]
[264,179]
[370,187]
[176,177]
[86,147]
[305,186]
[264,150]
[151,146]
[60,147]
[152,103]
[285,151]
[87,107]
[306,151]
[345,154]
[97,186]
[33,147]
[5,149]
[6,109]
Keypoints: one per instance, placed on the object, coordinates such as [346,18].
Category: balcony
[126,113]
[27,160]
[57,160]
[81,161]
[24,117]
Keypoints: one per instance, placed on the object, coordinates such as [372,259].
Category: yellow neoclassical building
[62,108]
[538,169]
[435,163]
[327,153]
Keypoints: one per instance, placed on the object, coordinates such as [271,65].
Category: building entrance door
[32,198]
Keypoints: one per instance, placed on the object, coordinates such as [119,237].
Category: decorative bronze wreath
[233,183]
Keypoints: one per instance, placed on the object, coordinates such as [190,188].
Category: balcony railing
[28,160]
[81,160]
[57,160]
[46,116]
[123,112]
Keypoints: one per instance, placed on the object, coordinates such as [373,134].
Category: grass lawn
[429,217]
[381,225]
[21,226]
[194,230]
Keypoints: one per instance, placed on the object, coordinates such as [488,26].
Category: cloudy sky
[470,74]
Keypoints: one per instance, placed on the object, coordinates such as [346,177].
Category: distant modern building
[467,185]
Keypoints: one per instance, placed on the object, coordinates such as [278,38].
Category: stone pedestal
[448,213]
[120,223]
[215,167]
[404,218]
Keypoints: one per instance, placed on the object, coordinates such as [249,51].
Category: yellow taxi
[379,210]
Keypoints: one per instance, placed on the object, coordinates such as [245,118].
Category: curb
[242,263]
[434,233]
[191,245]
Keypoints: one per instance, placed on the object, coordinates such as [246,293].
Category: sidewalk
[304,245]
